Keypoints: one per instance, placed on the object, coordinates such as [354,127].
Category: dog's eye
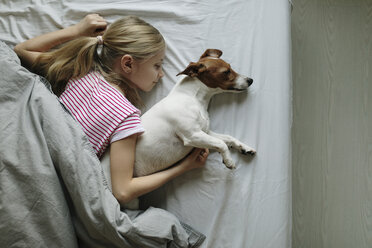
[227,72]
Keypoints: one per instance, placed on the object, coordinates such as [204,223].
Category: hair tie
[100,40]
[100,45]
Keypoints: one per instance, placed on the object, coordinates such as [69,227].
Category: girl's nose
[161,73]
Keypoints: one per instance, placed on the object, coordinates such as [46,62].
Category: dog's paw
[248,151]
[229,163]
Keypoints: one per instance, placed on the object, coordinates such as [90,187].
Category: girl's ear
[126,63]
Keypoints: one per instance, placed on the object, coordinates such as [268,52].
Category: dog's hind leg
[234,143]
[204,140]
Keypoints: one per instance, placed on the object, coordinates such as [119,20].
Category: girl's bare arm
[125,187]
[29,50]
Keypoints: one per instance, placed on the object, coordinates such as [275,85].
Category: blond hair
[74,59]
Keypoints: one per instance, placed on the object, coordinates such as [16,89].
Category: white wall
[332,123]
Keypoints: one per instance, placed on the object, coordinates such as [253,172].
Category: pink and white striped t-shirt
[103,111]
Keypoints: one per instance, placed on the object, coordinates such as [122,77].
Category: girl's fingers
[195,152]
[100,27]
[203,154]
[101,24]
[199,154]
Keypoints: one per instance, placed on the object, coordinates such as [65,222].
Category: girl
[97,77]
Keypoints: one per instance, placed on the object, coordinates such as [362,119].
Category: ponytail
[73,59]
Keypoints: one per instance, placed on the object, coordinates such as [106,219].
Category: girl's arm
[29,50]
[125,187]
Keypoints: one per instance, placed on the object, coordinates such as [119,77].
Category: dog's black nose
[249,81]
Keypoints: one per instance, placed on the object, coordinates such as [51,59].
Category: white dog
[180,121]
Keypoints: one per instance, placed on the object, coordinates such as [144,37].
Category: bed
[247,207]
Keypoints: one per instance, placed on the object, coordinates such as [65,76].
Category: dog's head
[216,73]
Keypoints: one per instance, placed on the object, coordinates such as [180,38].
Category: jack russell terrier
[180,121]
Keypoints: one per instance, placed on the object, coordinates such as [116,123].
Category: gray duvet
[53,191]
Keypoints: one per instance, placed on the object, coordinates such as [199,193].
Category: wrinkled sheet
[247,207]
[52,185]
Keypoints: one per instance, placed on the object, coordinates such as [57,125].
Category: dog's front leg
[234,143]
[203,140]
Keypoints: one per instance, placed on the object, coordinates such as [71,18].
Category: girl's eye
[157,66]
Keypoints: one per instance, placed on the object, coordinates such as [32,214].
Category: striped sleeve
[102,111]
[131,125]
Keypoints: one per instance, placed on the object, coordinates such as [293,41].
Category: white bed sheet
[247,207]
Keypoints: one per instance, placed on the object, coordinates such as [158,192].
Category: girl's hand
[196,159]
[91,25]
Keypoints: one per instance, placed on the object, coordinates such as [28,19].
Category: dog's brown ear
[212,53]
[193,69]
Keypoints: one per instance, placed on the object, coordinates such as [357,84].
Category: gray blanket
[53,191]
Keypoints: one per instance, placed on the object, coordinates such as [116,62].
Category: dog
[180,121]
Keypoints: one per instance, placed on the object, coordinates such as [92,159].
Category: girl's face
[145,74]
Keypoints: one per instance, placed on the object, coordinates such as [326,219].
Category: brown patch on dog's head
[215,72]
